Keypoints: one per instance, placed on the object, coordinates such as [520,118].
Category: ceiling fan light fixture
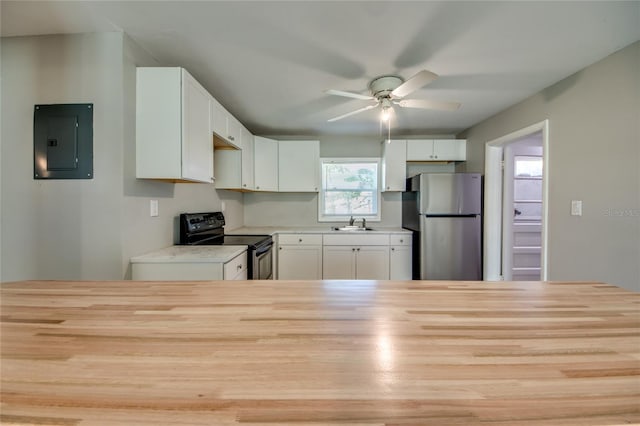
[386,113]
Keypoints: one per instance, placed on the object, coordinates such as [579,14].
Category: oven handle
[263,249]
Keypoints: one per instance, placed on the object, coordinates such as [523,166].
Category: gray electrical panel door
[63,141]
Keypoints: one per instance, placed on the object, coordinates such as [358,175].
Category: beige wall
[83,229]
[594,156]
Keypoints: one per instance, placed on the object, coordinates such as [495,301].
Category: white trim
[493,200]
[370,218]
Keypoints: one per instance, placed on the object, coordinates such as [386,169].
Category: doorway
[515,245]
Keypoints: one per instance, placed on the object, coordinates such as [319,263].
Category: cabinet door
[450,150]
[338,263]
[372,263]
[420,150]
[247,159]
[400,263]
[265,164]
[228,166]
[218,118]
[394,165]
[158,123]
[234,130]
[298,166]
[300,262]
[197,141]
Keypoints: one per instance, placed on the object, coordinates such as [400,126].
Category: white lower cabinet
[355,263]
[400,257]
[360,257]
[299,256]
[344,256]
[185,270]
[236,268]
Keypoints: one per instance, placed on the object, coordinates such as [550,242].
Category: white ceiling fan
[390,90]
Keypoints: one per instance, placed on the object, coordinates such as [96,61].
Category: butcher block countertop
[364,353]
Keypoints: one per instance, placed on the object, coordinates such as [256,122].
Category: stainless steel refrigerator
[444,211]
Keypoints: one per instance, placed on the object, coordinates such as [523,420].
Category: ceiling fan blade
[414,83]
[348,94]
[368,107]
[426,104]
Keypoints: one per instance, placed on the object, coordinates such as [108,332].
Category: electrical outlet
[153,208]
[576,207]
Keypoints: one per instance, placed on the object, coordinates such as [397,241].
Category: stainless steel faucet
[364,222]
[351,220]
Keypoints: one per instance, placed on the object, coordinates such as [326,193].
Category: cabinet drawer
[300,239]
[235,266]
[400,239]
[353,239]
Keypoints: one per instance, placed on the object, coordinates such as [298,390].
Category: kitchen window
[349,187]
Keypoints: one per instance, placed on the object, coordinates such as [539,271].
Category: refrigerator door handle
[450,215]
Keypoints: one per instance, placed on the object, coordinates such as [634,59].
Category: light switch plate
[153,208]
[576,207]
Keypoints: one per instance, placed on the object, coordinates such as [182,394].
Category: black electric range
[208,229]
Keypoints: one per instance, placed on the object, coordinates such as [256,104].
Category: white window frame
[332,218]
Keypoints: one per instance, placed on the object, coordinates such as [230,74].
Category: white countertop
[191,254]
[323,229]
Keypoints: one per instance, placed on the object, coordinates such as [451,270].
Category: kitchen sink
[351,228]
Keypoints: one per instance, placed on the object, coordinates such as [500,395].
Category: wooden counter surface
[316,353]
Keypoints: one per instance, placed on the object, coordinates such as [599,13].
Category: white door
[265,164]
[197,141]
[338,263]
[300,262]
[298,166]
[247,158]
[372,263]
[400,262]
[522,215]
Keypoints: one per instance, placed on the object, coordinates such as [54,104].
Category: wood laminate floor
[315,353]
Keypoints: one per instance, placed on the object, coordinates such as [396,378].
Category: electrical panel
[63,141]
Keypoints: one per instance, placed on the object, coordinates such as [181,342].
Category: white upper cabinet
[224,124]
[265,164]
[228,168]
[298,166]
[173,137]
[394,165]
[436,150]
[234,167]
[247,140]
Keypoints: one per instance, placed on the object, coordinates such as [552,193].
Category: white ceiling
[268,62]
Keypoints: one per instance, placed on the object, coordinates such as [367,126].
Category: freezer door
[450,248]
[450,193]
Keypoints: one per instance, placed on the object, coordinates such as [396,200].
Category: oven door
[263,263]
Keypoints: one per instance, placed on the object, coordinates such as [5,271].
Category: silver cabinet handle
[231,138]
[401,241]
[358,249]
[393,249]
[353,249]
[239,267]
